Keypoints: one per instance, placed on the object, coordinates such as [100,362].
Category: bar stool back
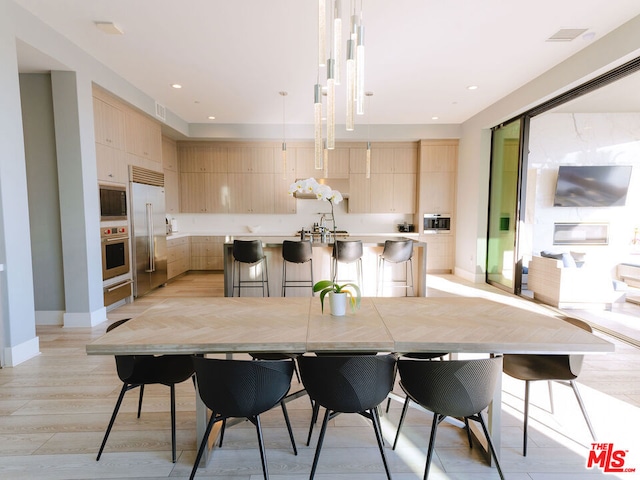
[396,251]
[249,252]
[347,251]
[296,252]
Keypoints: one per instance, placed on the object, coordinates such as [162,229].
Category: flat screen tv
[592,185]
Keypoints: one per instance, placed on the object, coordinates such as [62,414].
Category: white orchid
[313,187]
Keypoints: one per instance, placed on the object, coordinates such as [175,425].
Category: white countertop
[413,235]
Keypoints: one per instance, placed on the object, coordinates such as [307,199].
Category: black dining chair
[453,388]
[347,252]
[242,389]
[348,384]
[136,371]
[559,368]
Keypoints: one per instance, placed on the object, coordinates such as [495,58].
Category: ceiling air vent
[161,112]
[566,34]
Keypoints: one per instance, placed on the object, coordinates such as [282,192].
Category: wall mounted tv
[592,185]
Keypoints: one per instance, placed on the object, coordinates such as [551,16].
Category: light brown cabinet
[178,256]
[207,253]
[251,193]
[259,159]
[109,124]
[203,159]
[204,193]
[143,137]
[171,182]
[111,164]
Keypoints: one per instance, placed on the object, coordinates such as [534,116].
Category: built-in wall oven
[436,223]
[115,263]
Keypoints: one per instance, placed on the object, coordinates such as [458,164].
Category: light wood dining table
[453,324]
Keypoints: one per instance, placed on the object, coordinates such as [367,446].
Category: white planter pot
[338,304]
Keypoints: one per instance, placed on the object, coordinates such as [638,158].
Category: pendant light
[322,32]
[284,142]
[325,162]
[360,64]
[337,40]
[367,168]
[317,125]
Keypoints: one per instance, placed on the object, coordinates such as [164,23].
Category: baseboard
[85,319]
[21,353]
[49,317]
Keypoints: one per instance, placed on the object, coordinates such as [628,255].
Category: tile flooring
[54,409]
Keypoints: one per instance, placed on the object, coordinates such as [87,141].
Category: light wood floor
[54,409]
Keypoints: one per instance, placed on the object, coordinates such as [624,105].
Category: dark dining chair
[347,252]
[136,371]
[453,388]
[348,384]
[242,389]
[559,368]
[298,252]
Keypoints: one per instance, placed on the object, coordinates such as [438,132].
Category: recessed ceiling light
[109,28]
[211,117]
[472,87]
[176,85]
[435,118]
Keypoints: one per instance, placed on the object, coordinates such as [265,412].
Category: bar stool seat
[347,251]
[249,252]
[299,252]
[396,252]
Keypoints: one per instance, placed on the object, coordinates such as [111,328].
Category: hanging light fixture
[337,40]
[351,85]
[367,168]
[284,142]
[331,105]
[317,124]
[322,32]
[325,162]
[359,28]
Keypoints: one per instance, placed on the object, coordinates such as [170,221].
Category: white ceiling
[233,57]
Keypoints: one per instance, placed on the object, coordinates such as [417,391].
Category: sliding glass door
[503,268]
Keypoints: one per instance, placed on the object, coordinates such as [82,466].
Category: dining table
[454,324]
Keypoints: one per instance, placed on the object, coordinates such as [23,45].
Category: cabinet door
[382,160]
[338,163]
[359,193]
[193,196]
[169,155]
[305,163]
[217,191]
[109,124]
[405,160]
[282,201]
[111,164]
[404,192]
[171,189]
[262,188]
[357,160]
[381,193]
[251,159]
[143,137]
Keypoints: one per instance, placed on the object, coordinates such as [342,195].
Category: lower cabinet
[207,253]
[178,256]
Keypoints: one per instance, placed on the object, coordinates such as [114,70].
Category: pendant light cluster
[354,62]
[284,141]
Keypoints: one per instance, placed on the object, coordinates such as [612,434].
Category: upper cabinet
[109,124]
[258,159]
[438,167]
[143,137]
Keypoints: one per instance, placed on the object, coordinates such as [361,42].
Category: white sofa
[563,286]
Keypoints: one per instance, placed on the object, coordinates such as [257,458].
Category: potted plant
[338,295]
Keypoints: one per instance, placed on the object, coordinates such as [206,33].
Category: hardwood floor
[54,409]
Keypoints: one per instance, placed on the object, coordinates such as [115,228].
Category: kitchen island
[372,247]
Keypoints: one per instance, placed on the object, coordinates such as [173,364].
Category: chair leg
[550,383]
[405,407]
[437,418]
[378,429]
[113,419]
[410,278]
[574,386]
[466,424]
[490,442]
[140,400]
[286,420]
[173,422]
[263,456]
[265,273]
[222,429]
[203,444]
[314,419]
[325,421]
[526,417]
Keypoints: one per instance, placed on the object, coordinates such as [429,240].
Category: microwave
[113,203]
[436,223]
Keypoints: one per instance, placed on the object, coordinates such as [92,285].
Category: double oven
[114,240]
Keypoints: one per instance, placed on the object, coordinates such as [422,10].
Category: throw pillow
[579,257]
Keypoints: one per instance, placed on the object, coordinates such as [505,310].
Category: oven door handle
[117,286]
[115,239]
[151,247]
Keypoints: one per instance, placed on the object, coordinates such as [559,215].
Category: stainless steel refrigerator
[148,233]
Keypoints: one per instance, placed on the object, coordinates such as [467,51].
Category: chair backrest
[575,361]
[457,388]
[242,388]
[347,251]
[296,251]
[247,251]
[346,383]
[397,251]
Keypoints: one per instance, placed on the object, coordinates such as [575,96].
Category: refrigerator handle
[151,245]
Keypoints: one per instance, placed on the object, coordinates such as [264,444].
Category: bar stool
[396,251]
[296,252]
[347,251]
[249,252]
